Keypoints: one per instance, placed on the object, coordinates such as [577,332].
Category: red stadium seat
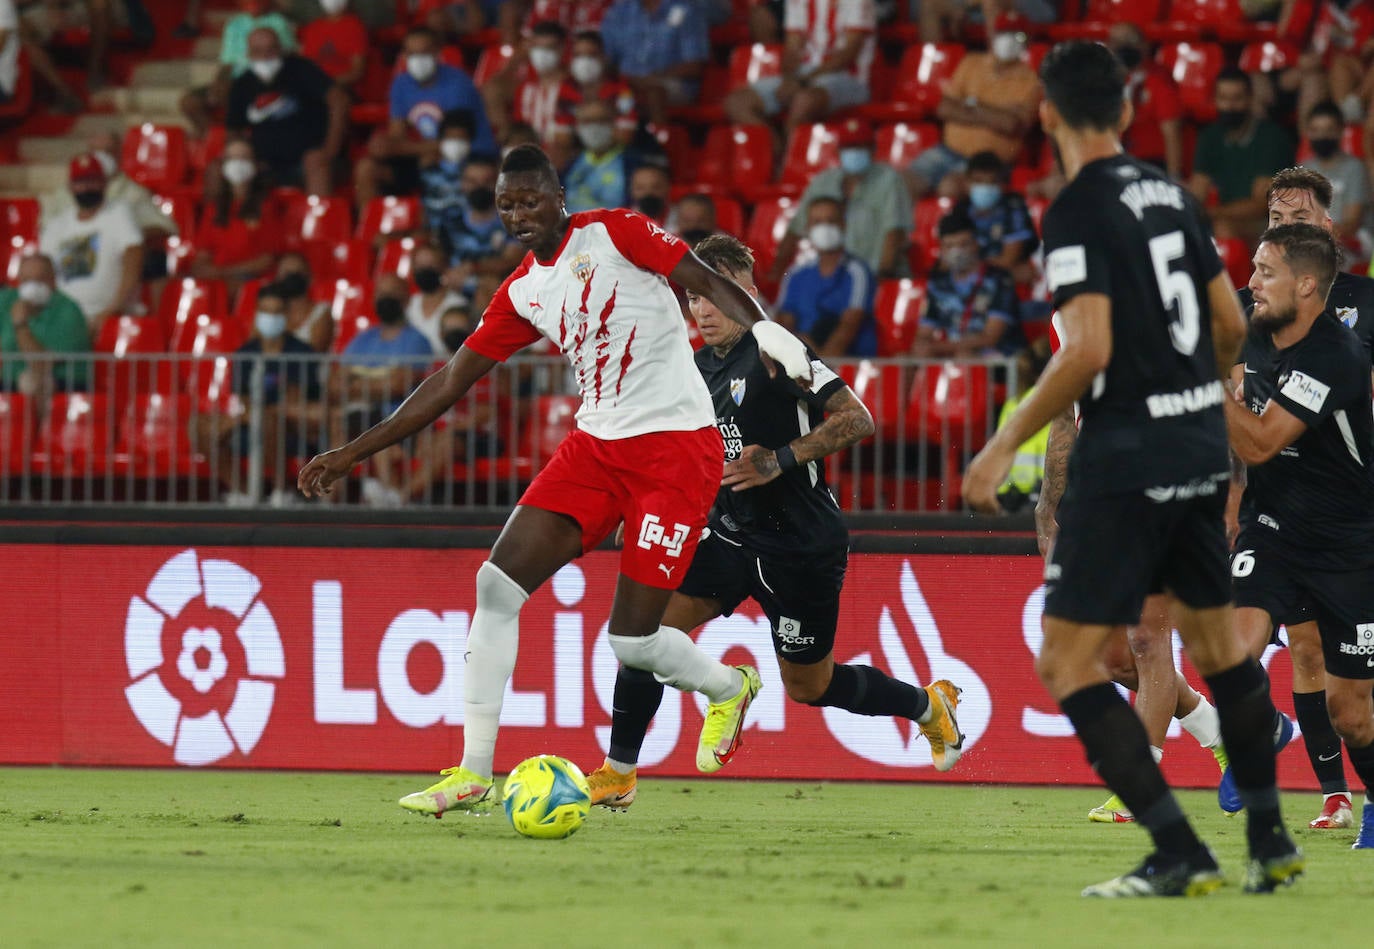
[879,388]
[246,303]
[811,149]
[899,144]
[925,241]
[729,216]
[200,152]
[677,145]
[212,384]
[208,335]
[181,208]
[766,229]
[181,252]
[132,336]
[155,156]
[388,215]
[395,257]
[950,404]
[12,254]
[1235,255]
[310,218]
[76,436]
[351,311]
[921,75]
[1268,56]
[707,110]
[754,61]
[19,218]
[186,299]
[21,100]
[737,158]
[1194,67]
[1206,16]
[339,260]
[897,311]
[16,432]
[554,418]
[154,439]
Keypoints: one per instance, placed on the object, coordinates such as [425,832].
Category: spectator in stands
[876,201]
[599,176]
[455,18]
[589,77]
[291,409]
[1156,132]
[517,18]
[421,95]
[441,174]
[9,50]
[201,105]
[541,100]
[294,116]
[240,233]
[307,319]
[651,190]
[944,20]
[1238,155]
[432,296]
[42,22]
[481,253]
[1006,236]
[17,33]
[337,43]
[376,372]
[988,105]
[693,218]
[970,307]
[825,65]
[660,47]
[96,246]
[1348,175]
[829,301]
[36,319]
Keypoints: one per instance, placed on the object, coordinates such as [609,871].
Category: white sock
[1203,724]
[1157,753]
[493,639]
[674,659]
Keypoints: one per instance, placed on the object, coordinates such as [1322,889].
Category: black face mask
[482,199]
[293,285]
[653,206]
[1325,147]
[88,199]
[427,279]
[695,237]
[455,338]
[1232,118]
[1130,56]
[391,310]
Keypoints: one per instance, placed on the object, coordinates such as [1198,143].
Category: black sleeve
[313,80]
[1322,378]
[1076,256]
[824,383]
[240,95]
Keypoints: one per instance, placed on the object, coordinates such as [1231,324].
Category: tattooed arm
[1063,431]
[846,422]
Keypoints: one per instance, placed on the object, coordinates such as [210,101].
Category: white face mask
[35,292]
[238,171]
[1006,47]
[543,59]
[266,69]
[421,66]
[332,7]
[826,237]
[596,136]
[269,325]
[108,162]
[454,150]
[585,69]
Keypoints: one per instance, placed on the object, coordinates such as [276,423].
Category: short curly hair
[726,254]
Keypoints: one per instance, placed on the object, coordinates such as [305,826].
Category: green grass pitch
[218,858]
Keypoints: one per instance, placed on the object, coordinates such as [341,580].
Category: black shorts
[800,595]
[1269,578]
[1112,552]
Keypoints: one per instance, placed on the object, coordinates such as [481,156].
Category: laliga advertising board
[340,658]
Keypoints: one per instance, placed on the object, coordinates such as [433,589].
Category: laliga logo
[198,636]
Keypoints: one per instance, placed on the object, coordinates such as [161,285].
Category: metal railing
[162,429]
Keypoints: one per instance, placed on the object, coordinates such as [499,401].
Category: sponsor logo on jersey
[1266,521]
[1304,390]
[1066,265]
[1361,649]
[737,390]
[1349,315]
[1202,488]
[789,633]
[653,533]
[1196,399]
[581,267]
[1364,634]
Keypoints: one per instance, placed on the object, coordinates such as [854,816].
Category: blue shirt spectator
[471,239]
[600,181]
[816,300]
[963,307]
[1004,223]
[371,349]
[422,105]
[645,42]
[292,369]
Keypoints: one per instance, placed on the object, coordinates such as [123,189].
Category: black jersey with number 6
[795,512]
[1153,418]
[1317,494]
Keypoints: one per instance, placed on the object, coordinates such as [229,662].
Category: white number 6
[1243,564]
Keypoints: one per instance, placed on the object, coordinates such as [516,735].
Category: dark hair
[551,28]
[590,36]
[530,160]
[423,31]
[825,199]
[1307,249]
[987,161]
[726,254]
[1301,179]
[273,290]
[1327,109]
[698,197]
[955,222]
[1235,74]
[459,119]
[653,164]
[1086,84]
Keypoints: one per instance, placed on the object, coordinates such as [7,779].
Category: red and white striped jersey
[825,23]
[540,104]
[604,301]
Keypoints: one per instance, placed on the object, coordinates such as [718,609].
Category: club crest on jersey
[1349,315]
[737,390]
[581,267]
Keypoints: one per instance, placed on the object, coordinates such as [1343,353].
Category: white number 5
[1177,290]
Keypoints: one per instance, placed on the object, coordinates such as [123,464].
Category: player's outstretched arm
[430,399]
[847,422]
[1063,432]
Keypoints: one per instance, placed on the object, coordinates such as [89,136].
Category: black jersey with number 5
[1317,494]
[1153,418]
[795,512]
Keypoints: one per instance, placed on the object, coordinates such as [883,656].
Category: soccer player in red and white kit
[646,449]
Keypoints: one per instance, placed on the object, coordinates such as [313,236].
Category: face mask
[826,237]
[855,161]
[1006,47]
[1325,147]
[35,292]
[652,205]
[391,310]
[543,59]
[266,69]
[1232,118]
[333,7]
[596,136]
[421,66]
[428,279]
[269,325]
[454,150]
[89,199]
[958,260]
[108,162]
[481,200]
[238,171]
[455,338]
[585,69]
[983,196]
[1130,56]
[293,285]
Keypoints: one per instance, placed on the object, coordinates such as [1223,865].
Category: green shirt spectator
[1233,164]
[35,317]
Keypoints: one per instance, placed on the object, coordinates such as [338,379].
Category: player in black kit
[1150,328]
[1306,545]
[777,536]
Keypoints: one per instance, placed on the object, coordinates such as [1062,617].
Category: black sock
[1119,751]
[865,690]
[1247,713]
[1323,744]
[1362,759]
[633,706]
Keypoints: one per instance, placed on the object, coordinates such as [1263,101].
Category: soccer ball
[547,797]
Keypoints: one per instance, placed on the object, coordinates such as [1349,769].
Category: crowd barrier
[201,429]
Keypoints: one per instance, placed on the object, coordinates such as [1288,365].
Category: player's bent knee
[498,593]
[1351,716]
[806,690]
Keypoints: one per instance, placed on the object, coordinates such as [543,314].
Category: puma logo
[667,570]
